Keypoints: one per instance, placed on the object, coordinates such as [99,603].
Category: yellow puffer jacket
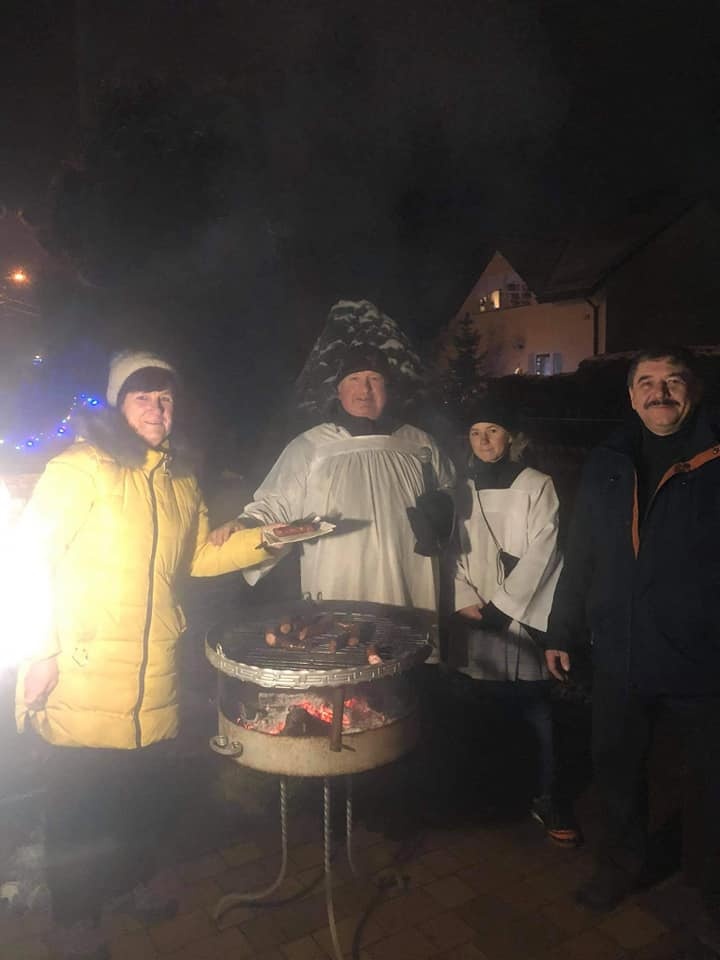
[110,541]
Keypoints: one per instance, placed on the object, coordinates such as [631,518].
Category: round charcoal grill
[399,636]
[252,672]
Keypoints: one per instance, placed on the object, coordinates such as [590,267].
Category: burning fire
[357,714]
[324,712]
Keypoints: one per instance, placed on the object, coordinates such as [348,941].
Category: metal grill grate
[400,636]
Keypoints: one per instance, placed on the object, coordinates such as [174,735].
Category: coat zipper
[682,466]
[149,607]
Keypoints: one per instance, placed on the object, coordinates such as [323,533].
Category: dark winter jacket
[648,588]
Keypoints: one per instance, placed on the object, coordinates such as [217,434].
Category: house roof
[577,263]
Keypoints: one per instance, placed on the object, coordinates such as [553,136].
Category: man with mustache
[642,570]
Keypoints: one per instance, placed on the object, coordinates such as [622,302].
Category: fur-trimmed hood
[108,430]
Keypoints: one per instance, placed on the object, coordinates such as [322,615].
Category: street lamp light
[19,276]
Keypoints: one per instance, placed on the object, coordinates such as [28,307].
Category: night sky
[386,146]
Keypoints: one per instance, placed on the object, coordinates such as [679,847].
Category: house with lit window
[542,306]
[520,333]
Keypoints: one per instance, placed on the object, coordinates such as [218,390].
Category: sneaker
[79,942]
[559,823]
[605,889]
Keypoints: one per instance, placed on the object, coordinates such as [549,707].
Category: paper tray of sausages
[308,529]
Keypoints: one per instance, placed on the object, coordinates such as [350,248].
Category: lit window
[543,366]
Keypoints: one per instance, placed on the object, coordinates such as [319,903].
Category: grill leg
[327,834]
[349,825]
[337,696]
[235,899]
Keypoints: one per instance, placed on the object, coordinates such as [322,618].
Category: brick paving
[475,887]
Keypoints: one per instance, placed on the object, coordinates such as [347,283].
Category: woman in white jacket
[506,571]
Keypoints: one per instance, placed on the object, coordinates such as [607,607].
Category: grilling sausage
[298,633]
[373,655]
[293,529]
[337,643]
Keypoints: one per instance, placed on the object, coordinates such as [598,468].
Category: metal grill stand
[232,900]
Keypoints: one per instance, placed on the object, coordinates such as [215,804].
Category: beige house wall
[514,337]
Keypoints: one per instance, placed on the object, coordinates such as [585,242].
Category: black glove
[432,520]
[493,618]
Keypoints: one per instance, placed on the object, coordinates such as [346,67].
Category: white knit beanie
[125,364]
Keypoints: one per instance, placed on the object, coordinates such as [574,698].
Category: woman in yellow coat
[112,523]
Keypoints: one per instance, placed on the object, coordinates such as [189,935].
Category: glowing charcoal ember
[287,714]
[322,711]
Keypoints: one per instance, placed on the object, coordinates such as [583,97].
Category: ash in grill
[309,713]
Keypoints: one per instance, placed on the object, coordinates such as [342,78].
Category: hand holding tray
[280,534]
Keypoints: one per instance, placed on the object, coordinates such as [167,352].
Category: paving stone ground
[451,868]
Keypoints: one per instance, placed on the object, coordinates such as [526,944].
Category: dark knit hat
[493,411]
[364,358]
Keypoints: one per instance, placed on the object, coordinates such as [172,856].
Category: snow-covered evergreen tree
[356,324]
[464,379]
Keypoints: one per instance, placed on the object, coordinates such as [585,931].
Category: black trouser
[104,815]
[531,700]
[623,728]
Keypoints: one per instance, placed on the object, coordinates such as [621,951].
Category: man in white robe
[362,470]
